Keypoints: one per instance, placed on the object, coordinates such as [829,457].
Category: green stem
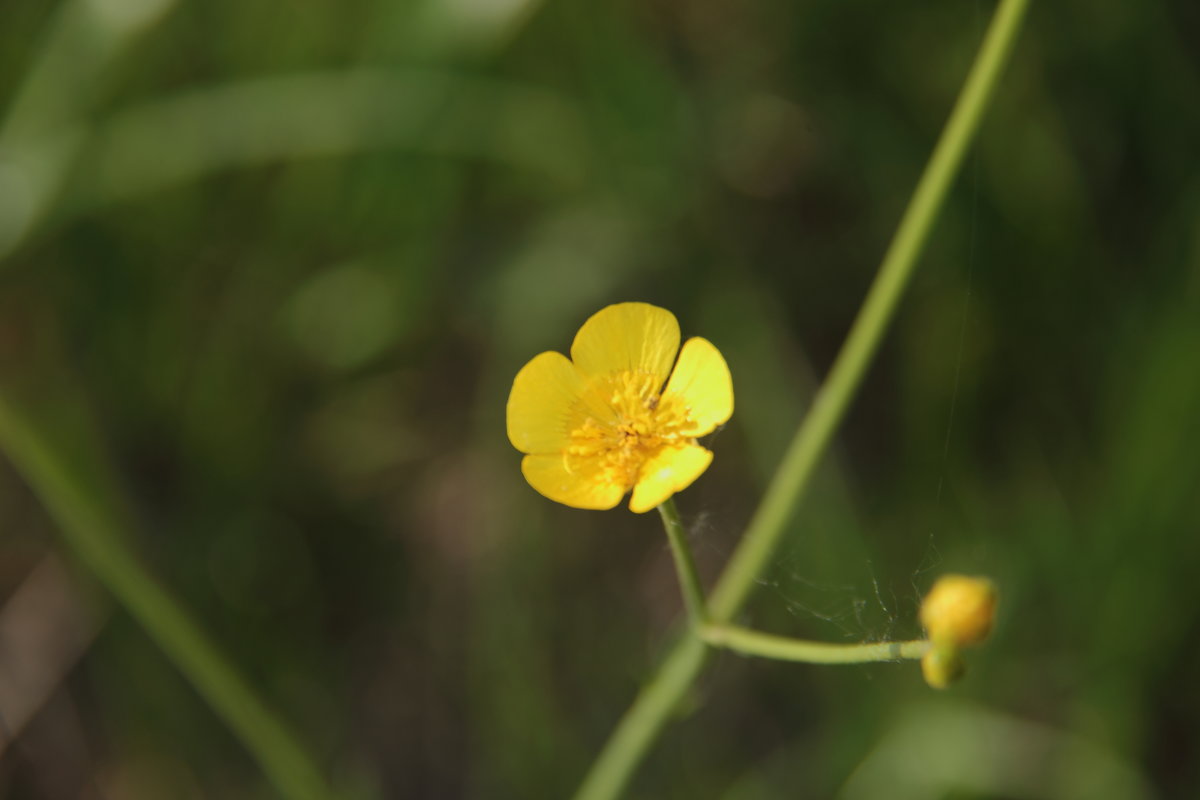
[642,722]
[831,403]
[782,648]
[685,567]
[92,531]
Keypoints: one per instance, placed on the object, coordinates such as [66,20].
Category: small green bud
[942,666]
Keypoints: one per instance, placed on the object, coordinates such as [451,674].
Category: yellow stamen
[626,422]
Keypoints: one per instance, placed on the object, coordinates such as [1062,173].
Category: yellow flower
[616,416]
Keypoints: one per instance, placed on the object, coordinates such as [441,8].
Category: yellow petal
[583,487]
[702,384]
[630,337]
[671,471]
[540,403]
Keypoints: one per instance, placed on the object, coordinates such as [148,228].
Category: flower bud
[942,666]
[959,610]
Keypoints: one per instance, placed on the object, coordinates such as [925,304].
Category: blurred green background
[267,270]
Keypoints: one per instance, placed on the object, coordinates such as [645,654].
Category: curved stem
[642,722]
[92,531]
[782,648]
[685,567]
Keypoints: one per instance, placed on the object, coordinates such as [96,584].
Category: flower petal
[539,405]
[631,337]
[672,470]
[583,487]
[702,384]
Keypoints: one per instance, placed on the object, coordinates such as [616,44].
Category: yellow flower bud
[942,666]
[959,610]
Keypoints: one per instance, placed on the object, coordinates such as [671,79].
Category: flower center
[626,422]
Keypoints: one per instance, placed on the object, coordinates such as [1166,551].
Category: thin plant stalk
[781,648]
[92,532]
[685,565]
[645,719]
[757,643]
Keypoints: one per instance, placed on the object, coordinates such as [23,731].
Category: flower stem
[782,648]
[685,567]
[641,724]
[92,530]
[831,403]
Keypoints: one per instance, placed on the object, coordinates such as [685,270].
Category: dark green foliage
[301,250]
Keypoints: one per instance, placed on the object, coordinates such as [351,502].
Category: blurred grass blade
[949,749]
[84,37]
[92,531]
[197,133]
[39,135]
[462,28]
[46,626]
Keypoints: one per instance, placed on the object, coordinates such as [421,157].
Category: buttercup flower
[616,416]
